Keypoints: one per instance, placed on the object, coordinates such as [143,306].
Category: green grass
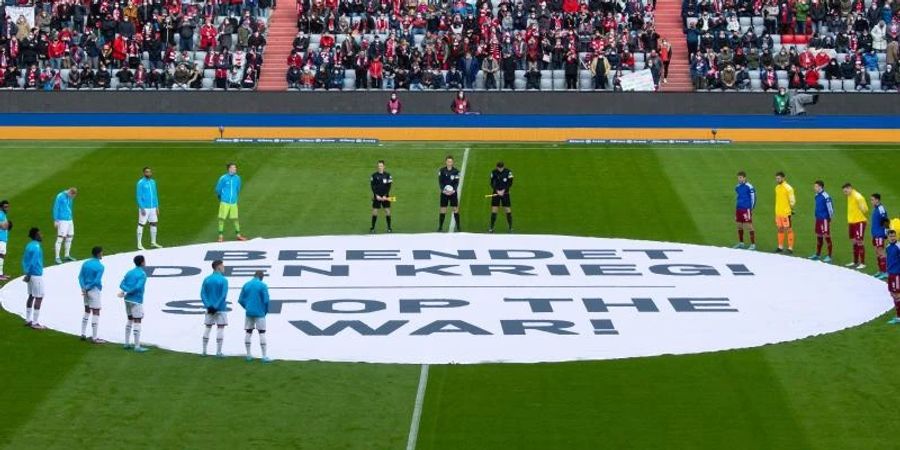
[835,391]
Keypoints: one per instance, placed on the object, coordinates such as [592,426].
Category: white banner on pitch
[469,298]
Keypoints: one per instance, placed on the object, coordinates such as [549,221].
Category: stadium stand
[836,45]
[433,45]
[148,44]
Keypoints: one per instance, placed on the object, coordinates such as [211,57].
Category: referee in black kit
[448,182]
[501,182]
[381,182]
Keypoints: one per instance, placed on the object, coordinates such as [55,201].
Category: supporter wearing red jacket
[55,52]
[807,59]
[208,35]
[822,59]
[812,79]
[119,49]
[376,69]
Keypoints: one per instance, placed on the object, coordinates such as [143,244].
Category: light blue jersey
[147,197]
[91,275]
[255,298]
[133,285]
[4,234]
[228,189]
[33,259]
[62,207]
[214,291]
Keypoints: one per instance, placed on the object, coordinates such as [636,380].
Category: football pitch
[835,391]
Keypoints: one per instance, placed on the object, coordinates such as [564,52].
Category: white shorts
[65,228]
[150,215]
[134,310]
[219,318]
[92,299]
[258,323]
[36,287]
[2,247]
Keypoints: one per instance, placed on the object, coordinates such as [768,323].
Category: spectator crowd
[483,44]
[147,44]
[842,45]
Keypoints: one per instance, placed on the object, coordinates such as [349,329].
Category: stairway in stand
[279,42]
[668,25]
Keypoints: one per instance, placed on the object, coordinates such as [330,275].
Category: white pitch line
[462,178]
[417,409]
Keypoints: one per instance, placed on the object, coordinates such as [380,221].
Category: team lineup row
[884,230]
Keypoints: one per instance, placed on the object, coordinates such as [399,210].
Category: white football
[448,189]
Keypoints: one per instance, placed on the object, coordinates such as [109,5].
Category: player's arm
[830,205]
[791,198]
[752,197]
[390,183]
[137,195]
[509,181]
[242,298]
[862,205]
[57,208]
[265,298]
[374,185]
[219,186]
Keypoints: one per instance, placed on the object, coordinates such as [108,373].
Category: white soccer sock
[247,339]
[57,246]
[95,323]
[140,234]
[28,314]
[69,245]
[35,314]
[220,337]
[137,335]
[84,322]
[152,234]
[206,338]
[262,343]
[2,260]
[128,333]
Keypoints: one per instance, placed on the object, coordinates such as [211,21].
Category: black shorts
[452,200]
[501,200]
[378,204]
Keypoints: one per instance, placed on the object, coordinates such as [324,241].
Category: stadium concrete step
[282,29]
[668,25]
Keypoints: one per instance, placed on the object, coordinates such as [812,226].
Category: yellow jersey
[857,208]
[784,199]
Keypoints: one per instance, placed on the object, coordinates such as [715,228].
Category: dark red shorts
[894,283]
[878,242]
[857,230]
[823,227]
[743,216]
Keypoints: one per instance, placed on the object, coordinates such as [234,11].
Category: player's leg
[35,322]
[137,335]
[458,226]
[790,235]
[70,236]
[896,296]
[506,202]
[739,220]
[29,308]
[223,214]
[3,276]
[387,216]
[752,232]
[208,321]
[861,245]
[153,218]
[57,246]
[376,205]
[779,224]
[235,221]
[880,255]
[129,325]
[86,318]
[248,338]
[261,329]
[495,206]
[444,201]
[142,220]
[95,324]
[220,339]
